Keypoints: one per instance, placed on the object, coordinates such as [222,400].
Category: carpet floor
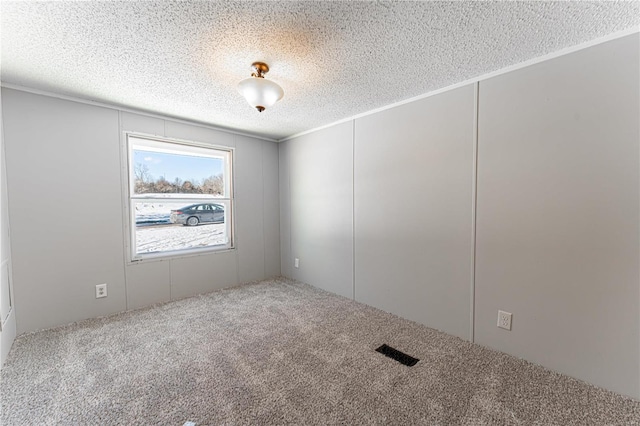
[281,352]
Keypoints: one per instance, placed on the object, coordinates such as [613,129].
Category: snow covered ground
[150,239]
[154,213]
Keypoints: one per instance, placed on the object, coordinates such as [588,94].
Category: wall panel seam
[288,159]
[353,208]
[235,206]
[474,208]
[279,205]
[264,212]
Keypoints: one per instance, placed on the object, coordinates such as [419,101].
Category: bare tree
[143,178]
[141,172]
[189,188]
[177,183]
[162,186]
[146,184]
[213,185]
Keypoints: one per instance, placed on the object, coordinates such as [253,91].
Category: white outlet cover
[504,320]
[101,291]
[296,262]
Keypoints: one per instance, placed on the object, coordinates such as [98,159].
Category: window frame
[130,198]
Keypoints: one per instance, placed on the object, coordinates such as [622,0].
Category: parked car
[198,213]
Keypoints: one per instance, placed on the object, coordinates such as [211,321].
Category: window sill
[162,257]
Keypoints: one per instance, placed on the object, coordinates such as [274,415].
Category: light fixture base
[259,69]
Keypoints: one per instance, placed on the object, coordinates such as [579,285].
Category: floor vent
[401,357]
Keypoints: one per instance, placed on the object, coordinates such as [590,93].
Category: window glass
[168,182]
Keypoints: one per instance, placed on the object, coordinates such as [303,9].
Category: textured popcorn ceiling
[333,59]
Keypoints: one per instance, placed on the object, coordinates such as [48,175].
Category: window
[180,197]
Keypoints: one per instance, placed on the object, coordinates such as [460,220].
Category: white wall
[7,311]
[413,196]
[411,168]
[558,167]
[558,211]
[67,222]
[316,182]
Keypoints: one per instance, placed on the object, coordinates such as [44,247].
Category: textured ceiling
[333,59]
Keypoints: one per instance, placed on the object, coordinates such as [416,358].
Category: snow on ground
[151,239]
[152,213]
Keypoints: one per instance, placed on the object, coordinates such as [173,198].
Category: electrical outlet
[101,291]
[504,320]
[296,262]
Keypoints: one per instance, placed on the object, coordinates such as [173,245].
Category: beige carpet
[280,352]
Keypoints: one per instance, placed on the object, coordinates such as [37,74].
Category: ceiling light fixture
[259,92]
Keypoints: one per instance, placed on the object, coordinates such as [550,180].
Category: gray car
[198,213]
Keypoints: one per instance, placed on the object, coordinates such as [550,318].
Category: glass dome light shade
[259,92]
